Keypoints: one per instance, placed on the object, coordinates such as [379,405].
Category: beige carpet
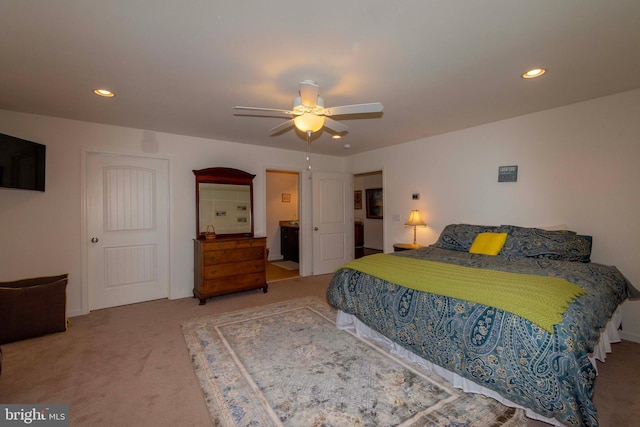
[129,365]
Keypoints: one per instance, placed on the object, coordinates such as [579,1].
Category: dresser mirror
[224,202]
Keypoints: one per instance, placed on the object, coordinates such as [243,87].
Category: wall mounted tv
[22,163]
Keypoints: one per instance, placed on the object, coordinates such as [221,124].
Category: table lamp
[415,221]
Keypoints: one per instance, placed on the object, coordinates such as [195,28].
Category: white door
[332,221]
[127,229]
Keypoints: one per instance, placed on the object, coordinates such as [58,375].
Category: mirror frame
[223,176]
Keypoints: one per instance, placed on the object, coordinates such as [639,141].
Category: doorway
[369,235]
[283,224]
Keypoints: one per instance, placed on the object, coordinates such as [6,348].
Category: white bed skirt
[608,335]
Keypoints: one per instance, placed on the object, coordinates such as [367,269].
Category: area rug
[286,364]
[287,265]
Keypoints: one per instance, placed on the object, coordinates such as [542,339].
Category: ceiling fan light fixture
[308,113]
[300,108]
[309,122]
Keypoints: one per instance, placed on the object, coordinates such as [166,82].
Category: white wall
[41,232]
[578,165]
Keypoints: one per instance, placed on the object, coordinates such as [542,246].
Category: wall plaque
[507,173]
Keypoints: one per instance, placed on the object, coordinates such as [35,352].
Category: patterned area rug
[287,364]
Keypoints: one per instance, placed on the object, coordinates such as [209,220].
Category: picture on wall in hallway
[374,203]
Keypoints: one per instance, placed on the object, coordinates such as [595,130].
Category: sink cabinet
[289,241]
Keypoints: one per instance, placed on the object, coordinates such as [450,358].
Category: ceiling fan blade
[278,110]
[335,126]
[309,93]
[282,126]
[373,107]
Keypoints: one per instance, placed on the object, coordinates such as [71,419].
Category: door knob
[315,228]
[94,240]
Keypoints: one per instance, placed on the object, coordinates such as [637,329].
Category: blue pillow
[538,243]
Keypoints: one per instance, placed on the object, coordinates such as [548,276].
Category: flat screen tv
[22,163]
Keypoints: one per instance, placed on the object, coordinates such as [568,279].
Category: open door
[333,243]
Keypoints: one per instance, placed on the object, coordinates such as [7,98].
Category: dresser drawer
[234,269]
[218,245]
[236,255]
[232,244]
[224,285]
[253,243]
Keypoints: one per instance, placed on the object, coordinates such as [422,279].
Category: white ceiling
[436,65]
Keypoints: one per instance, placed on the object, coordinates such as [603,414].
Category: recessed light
[346,146]
[533,73]
[104,92]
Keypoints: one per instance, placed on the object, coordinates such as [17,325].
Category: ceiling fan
[309,113]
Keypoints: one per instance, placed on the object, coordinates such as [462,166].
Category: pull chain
[309,150]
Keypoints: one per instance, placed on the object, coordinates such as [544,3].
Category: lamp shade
[415,219]
[309,122]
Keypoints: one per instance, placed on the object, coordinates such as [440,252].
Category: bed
[479,308]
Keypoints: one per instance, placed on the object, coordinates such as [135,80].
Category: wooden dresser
[229,264]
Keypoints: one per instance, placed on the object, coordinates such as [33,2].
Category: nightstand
[399,247]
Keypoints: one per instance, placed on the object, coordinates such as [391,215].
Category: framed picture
[508,173]
[374,203]
[286,198]
[357,199]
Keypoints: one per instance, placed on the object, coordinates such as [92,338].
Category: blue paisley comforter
[549,373]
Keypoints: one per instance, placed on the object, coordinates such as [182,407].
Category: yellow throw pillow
[488,243]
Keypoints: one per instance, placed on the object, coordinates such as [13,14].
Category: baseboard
[74,313]
[627,336]
[180,295]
